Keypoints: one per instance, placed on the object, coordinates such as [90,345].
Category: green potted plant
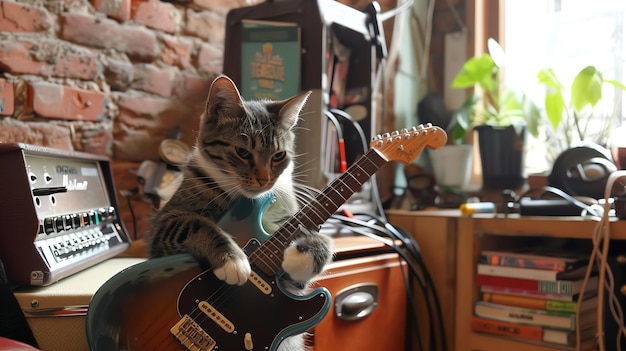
[500,115]
[577,113]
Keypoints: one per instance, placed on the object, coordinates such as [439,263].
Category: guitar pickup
[216,316]
[260,283]
[192,336]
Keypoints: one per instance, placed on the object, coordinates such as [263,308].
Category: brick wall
[111,77]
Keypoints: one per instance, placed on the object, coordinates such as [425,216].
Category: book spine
[491,326]
[516,301]
[529,293]
[565,321]
[561,306]
[528,262]
[524,273]
[530,302]
[554,287]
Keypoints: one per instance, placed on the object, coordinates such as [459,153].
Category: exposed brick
[98,141]
[36,133]
[118,9]
[143,122]
[64,102]
[158,15]
[153,79]
[143,105]
[176,51]
[119,74]
[206,25]
[192,88]
[19,17]
[7,98]
[210,59]
[48,58]
[137,42]
[68,61]
[220,6]
[15,57]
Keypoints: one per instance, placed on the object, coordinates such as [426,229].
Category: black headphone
[582,170]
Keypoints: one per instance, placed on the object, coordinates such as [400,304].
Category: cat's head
[246,145]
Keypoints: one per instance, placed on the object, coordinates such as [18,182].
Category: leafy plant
[571,112]
[491,103]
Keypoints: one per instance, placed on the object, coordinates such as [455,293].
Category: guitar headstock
[407,144]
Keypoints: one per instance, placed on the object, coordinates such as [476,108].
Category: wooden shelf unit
[489,232]
[450,244]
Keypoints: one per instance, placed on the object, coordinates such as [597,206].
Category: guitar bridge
[192,336]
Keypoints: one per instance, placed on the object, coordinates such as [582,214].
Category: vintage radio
[58,213]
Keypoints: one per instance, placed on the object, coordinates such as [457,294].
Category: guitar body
[138,307]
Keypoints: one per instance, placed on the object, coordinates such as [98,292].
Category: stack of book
[532,294]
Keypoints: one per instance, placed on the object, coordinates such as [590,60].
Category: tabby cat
[244,148]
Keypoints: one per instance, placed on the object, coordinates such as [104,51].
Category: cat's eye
[279,156]
[243,153]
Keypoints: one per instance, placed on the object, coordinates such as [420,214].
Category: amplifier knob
[48,225]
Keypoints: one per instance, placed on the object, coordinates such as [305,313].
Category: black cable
[408,241]
[564,196]
[127,194]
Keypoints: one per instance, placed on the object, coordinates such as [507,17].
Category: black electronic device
[58,213]
[582,170]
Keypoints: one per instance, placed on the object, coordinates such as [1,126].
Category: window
[565,35]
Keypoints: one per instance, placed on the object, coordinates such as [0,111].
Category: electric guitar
[171,303]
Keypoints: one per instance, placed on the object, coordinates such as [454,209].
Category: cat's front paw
[306,257]
[299,265]
[235,271]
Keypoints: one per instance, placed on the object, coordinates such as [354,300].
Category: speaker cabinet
[56,313]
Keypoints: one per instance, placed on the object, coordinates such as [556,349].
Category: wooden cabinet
[366,281]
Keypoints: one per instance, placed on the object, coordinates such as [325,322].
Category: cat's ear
[223,99]
[290,111]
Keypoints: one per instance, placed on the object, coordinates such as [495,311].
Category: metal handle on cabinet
[356,302]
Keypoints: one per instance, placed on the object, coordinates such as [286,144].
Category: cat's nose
[263,181]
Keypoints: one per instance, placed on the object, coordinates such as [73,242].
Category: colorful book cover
[270,60]
[533,333]
[554,287]
[591,290]
[531,273]
[514,330]
[530,316]
[539,303]
[535,257]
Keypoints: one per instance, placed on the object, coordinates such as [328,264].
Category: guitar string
[330,193]
[334,196]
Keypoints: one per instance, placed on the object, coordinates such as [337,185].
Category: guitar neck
[268,258]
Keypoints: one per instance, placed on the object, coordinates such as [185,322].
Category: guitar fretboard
[269,256]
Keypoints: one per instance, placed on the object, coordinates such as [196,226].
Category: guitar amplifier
[58,213]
